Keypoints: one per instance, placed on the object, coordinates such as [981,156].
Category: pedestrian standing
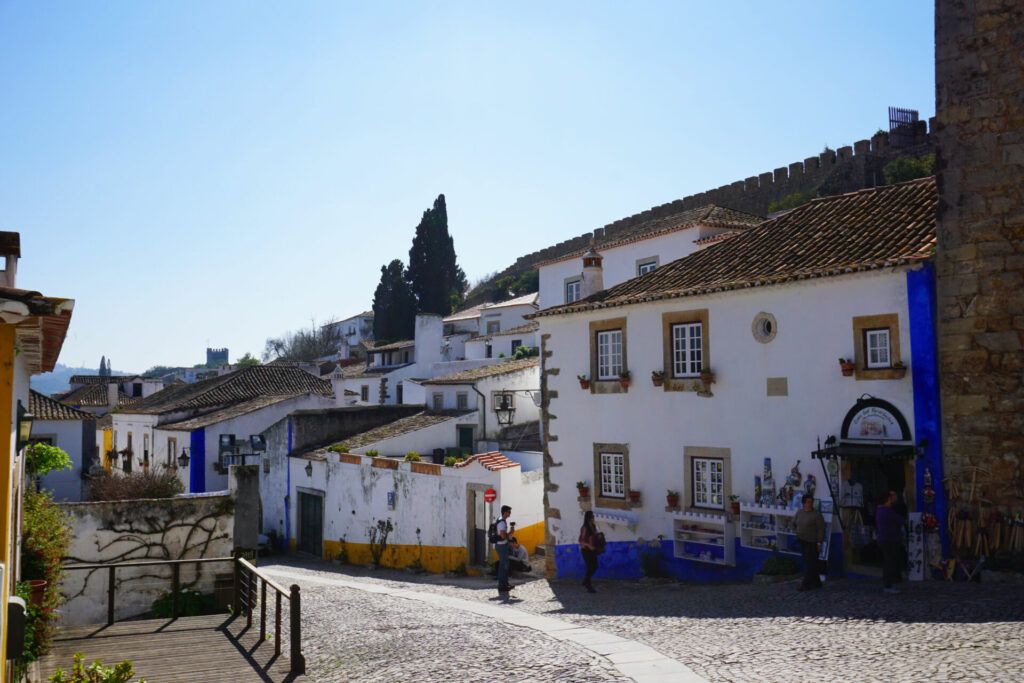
[591,545]
[889,534]
[501,546]
[810,531]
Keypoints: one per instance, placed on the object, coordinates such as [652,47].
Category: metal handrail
[244,573]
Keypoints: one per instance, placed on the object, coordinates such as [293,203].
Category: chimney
[10,249]
[113,389]
[593,274]
[429,339]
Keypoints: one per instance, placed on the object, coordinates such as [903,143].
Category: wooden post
[249,593]
[298,662]
[277,624]
[110,596]
[175,589]
[236,601]
[263,610]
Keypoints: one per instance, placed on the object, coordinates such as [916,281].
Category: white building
[351,333]
[74,432]
[502,344]
[98,394]
[485,319]
[637,245]
[688,378]
[192,418]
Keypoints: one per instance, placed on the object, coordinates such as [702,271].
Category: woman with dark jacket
[588,548]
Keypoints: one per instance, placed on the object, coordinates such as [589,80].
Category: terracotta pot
[634,496]
[584,493]
[584,384]
[847,369]
[673,501]
[38,587]
[735,506]
[658,381]
[624,383]
[707,377]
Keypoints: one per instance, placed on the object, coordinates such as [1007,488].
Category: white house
[99,394]
[190,419]
[351,333]
[74,432]
[690,378]
[486,319]
[502,344]
[637,245]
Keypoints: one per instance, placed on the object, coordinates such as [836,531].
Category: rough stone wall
[546,417]
[980,258]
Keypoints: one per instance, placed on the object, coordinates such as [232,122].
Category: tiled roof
[877,228]
[90,379]
[494,370]
[225,413]
[493,461]
[393,346]
[43,407]
[399,427]
[710,215]
[234,387]
[531,326]
[363,370]
[92,395]
[524,300]
[465,314]
[715,239]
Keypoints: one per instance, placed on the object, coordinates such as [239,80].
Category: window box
[584,489]
[672,499]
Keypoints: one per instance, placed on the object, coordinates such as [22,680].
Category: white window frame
[877,355]
[646,267]
[613,475]
[708,477]
[364,393]
[462,400]
[687,349]
[492,326]
[573,290]
[609,354]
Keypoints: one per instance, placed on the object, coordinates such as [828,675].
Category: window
[364,393]
[646,267]
[145,450]
[613,475]
[609,354]
[129,441]
[172,450]
[687,349]
[398,394]
[137,390]
[876,346]
[572,290]
[488,351]
[438,401]
[493,326]
[708,479]
[516,343]
[462,400]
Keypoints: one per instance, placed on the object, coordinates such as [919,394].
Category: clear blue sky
[224,172]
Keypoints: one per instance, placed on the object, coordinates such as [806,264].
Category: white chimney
[10,250]
[429,339]
[112,394]
[593,274]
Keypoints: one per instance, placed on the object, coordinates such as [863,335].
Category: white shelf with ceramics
[704,537]
[763,526]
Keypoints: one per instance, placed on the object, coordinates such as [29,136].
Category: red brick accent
[426,468]
[350,458]
[385,463]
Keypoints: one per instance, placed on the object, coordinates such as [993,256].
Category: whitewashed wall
[501,345]
[423,441]
[66,485]
[814,329]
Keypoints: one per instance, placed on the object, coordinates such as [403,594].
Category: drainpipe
[483,413]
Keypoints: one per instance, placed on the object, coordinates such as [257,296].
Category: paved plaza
[362,625]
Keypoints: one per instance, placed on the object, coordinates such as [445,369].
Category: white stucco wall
[814,329]
[501,345]
[620,263]
[66,485]
[423,441]
[506,316]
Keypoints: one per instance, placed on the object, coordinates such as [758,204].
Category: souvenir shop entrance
[874,455]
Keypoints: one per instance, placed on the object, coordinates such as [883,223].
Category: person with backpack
[499,533]
[591,546]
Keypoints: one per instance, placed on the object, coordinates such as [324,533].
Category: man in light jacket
[810,531]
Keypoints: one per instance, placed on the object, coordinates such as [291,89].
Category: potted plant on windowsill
[624,379]
[899,369]
[847,366]
[634,497]
[658,377]
[672,498]
[734,504]
[583,488]
[707,376]
[584,381]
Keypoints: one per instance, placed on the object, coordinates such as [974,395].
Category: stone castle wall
[980,259]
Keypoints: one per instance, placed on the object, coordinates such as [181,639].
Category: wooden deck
[186,650]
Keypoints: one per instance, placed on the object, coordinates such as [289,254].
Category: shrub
[342,556]
[95,672]
[649,554]
[790,201]
[525,352]
[154,483]
[46,537]
[453,460]
[373,453]
[379,539]
[412,456]
[908,168]
[42,458]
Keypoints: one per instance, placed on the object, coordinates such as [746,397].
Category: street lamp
[25,419]
[309,468]
[504,407]
[183,458]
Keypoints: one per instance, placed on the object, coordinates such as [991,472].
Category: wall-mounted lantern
[309,468]
[183,458]
[504,407]
[25,419]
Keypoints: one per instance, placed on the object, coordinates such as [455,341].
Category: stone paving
[849,631]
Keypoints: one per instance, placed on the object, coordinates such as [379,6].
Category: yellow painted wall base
[433,558]
[531,536]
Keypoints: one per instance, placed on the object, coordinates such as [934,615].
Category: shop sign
[874,423]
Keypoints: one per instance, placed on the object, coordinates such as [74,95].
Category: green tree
[394,305]
[42,458]
[104,368]
[316,342]
[434,274]
[908,168]
[247,360]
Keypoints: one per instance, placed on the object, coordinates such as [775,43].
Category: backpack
[599,542]
[492,532]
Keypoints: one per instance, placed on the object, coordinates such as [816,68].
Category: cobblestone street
[850,631]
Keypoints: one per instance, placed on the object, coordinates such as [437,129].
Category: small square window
[877,348]
[646,267]
[572,291]
[609,354]
[493,326]
[438,401]
[462,400]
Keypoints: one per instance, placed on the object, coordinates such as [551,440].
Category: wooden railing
[246,580]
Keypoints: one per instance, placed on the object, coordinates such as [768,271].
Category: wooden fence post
[110,596]
[298,662]
[175,589]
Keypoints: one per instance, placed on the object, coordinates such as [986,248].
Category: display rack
[701,537]
[763,527]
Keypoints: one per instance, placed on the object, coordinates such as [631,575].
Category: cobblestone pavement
[849,631]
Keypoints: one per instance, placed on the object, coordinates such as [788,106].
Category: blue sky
[224,172]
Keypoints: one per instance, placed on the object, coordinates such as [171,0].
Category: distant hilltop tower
[216,357]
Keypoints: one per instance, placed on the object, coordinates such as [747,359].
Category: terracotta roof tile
[43,407]
[399,427]
[392,346]
[485,371]
[876,228]
[493,461]
[225,413]
[531,326]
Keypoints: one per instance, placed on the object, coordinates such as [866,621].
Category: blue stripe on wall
[924,364]
[197,463]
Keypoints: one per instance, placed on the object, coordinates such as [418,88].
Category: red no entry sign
[490,495]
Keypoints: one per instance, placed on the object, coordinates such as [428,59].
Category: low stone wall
[158,529]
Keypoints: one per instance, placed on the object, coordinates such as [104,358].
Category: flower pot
[673,501]
[658,381]
[634,497]
[584,493]
[624,383]
[707,377]
[584,384]
[38,587]
[899,371]
[734,505]
[847,369]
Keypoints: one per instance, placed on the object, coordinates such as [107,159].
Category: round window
[764,327]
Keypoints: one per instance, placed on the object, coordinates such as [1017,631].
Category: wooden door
[311,523]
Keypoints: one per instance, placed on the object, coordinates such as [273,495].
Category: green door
[311,524]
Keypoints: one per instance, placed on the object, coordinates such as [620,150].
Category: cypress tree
[394,305]
[104,371]
[434,274]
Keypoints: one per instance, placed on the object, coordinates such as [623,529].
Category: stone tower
[979,64]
